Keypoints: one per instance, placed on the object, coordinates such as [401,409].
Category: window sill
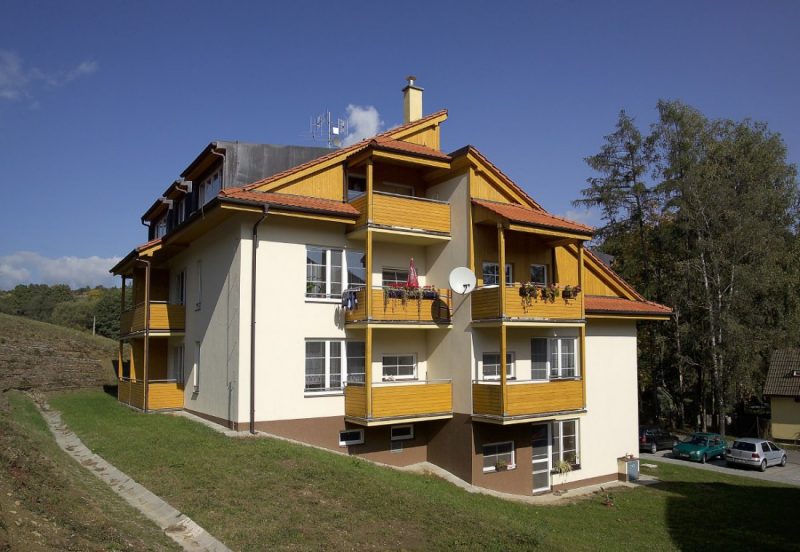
[328,300]
[495,470]
[323,393]
[575,467]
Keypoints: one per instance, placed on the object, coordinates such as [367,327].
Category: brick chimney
[412,101]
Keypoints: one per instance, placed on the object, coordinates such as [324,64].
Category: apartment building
[312,300]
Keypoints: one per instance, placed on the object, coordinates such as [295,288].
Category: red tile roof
[617,305]
[388,143]
[358,146]
[525,215]
[303,203]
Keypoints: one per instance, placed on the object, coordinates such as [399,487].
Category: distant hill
[44,356]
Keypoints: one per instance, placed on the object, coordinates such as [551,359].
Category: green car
[700,447]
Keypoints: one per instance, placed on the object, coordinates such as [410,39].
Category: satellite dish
[462,280]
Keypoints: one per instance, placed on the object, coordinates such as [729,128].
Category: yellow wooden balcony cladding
[527,398]
[399,400]
[485,302]
[405,213]
[386,308]
[160,395]
[163,317]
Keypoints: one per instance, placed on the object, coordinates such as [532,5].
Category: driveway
[788,475]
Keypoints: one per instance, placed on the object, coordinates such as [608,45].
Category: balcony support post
[582,356]
[368,370]
[370,186]
[146,353]
[501,252]
[580,279]
[503,371]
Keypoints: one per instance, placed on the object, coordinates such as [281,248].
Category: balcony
[394,402]
[526,399]
[161,394]
[485,303]
[397,215]
[391,306]
[164,318]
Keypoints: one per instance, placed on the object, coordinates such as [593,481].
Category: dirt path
[176,525]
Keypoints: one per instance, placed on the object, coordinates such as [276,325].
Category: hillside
[37,355]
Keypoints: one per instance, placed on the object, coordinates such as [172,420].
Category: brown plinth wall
[450,446]
[516,481]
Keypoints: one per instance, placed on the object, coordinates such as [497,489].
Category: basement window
[498,457]
[402,432]
[350,437]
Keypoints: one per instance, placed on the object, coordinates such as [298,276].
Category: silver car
[756,453]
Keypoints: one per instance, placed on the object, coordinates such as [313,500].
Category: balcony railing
[405,212]
[164,317]
[423,306]
[485,303]
[161,394]
[527,398]
[397,400]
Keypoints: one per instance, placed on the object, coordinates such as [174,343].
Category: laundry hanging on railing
[350,299]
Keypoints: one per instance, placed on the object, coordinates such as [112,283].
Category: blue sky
[102,104]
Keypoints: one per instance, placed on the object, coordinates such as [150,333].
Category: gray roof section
[780,378]
[246,163]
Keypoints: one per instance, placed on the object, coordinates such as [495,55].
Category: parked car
[700,447]
[654,438]
[756,453]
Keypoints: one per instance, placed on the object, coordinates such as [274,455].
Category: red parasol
[412,281]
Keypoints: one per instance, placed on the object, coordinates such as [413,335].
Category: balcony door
[540,445]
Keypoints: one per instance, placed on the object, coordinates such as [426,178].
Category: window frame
[351,442]
[393,281]
[557,373]
[196,367]
[544,268]
[178,363]
[328,282]
[414,377]
[493,468]
[496,265]
[557,432]
[407,437]
[205,186]
[510,374]
[353,194]
[344,366]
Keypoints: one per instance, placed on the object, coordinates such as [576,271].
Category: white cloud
[18,81]
[362,122]
[589,217]
[27,267]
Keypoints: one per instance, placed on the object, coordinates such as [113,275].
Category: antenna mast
[324,128]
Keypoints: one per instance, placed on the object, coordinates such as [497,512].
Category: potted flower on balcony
[500,465]
[528,292]
[570,292]
[551,292]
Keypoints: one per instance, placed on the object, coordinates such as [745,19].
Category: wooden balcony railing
[163,317]
[161,395]
[405,212]
[485,302]
[413,399]
[527,398]
[394,305]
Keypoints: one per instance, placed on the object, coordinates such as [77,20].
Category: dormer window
[161,227]
[211,186]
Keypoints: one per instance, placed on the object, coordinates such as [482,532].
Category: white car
[755,453]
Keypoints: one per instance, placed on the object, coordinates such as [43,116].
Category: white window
[554,358]
[566,447]
[539,274]
[329,363]
[329,271]
[491,365]
[161,227]
[210,187]
[399,367]
[180,214]
[196,368]
[180,288]
[498,457]
[390,276]
[401,432]
[491,274]
[176,368]
[356,351]
[351,437]
[199,277]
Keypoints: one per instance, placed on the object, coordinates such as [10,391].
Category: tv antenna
[462,280]
[324,128]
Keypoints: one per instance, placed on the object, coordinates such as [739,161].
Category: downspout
[253,323]
[146,326]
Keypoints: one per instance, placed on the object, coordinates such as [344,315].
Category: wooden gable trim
[416,129]
[601,272]
[499,183]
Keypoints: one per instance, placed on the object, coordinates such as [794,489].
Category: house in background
[783,391]
[283,304]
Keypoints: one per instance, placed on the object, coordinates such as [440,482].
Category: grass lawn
[257,493]
[49,502]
